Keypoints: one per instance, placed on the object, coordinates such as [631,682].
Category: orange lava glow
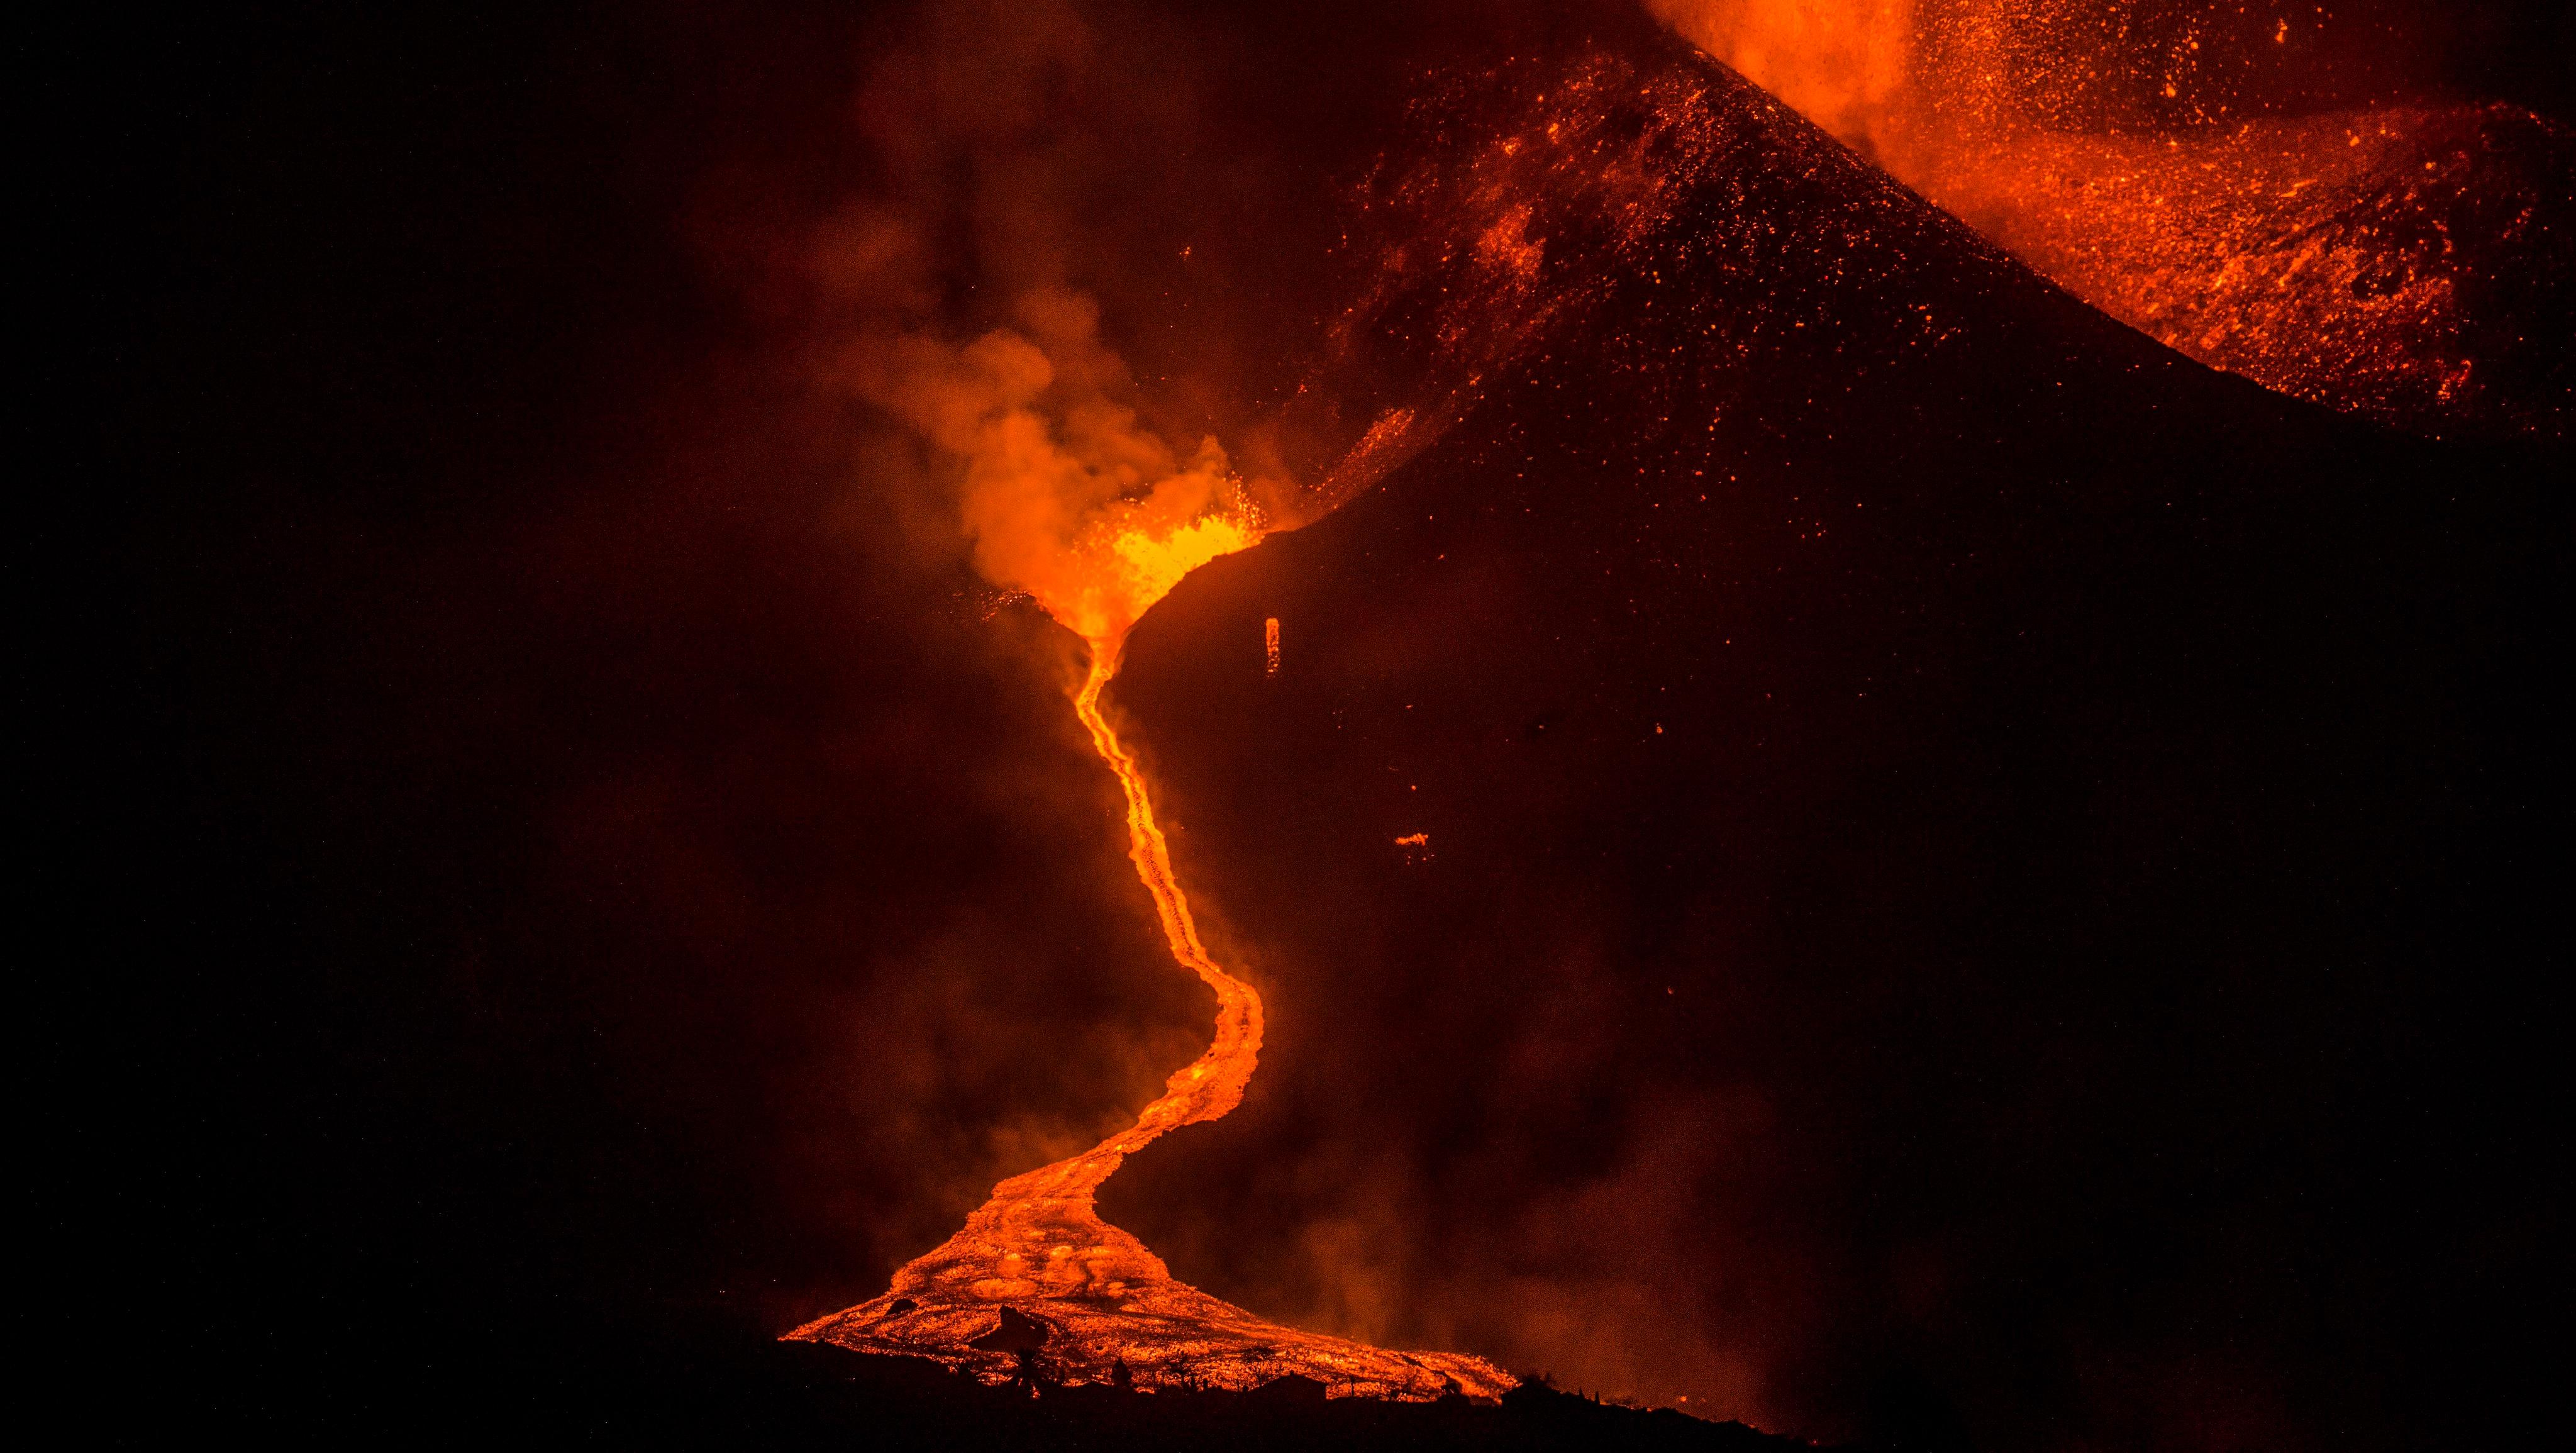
[1035,1277]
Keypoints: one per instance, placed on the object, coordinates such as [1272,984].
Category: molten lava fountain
[1035,1274]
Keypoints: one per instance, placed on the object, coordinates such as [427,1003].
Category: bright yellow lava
[1111,577]
[1153,566]
[1035,1277]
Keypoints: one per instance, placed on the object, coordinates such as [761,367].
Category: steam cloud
[1037,457]
[1058,482]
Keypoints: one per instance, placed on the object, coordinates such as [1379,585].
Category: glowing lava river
[1035,1280]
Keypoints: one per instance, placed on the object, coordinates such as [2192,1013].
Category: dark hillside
[1937,816]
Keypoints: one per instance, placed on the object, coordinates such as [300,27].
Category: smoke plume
[1065,496]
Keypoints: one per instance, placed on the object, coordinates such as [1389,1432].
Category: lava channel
[1036,1281]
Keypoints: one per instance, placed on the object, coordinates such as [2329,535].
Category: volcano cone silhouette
[1917,770]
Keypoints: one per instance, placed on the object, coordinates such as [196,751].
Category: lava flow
[1035,1280]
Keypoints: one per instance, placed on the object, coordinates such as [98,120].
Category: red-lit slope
[2415,265]
[2175,165]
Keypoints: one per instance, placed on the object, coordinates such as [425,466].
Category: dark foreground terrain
[740,1391]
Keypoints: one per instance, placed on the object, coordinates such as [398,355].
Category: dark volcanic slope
[1980,876]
